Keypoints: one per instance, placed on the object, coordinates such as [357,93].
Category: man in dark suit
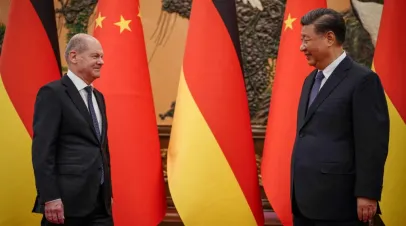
[342,131]
[70,152]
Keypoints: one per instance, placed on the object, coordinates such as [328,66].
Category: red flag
[137,177]
[39,54]
[281,129]
[29,60]
[390,66]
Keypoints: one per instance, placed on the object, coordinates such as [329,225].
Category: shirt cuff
[53,201]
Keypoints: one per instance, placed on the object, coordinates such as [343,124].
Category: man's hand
[366,209]
[54,212]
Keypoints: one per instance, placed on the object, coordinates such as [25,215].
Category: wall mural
[2,30]
[76,14]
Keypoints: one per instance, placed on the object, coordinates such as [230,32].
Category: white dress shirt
[331,67]
[81,85]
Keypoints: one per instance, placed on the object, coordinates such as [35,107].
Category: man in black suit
[70,152]
[342,131]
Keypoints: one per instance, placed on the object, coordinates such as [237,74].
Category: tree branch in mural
[165,25]
[358,42]
[168,113]
[76,14]
[180,7]
[2,31]
[254,3]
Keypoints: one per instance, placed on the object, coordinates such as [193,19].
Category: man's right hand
[54,212]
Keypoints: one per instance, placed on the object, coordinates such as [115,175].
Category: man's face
[314,46]
[89,62]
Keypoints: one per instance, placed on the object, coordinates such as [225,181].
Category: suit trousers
[300,220]
[98,217]
[303,221]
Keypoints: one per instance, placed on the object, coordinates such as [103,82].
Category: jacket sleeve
[107,143]
[108,159]
[371,136]
[47,117]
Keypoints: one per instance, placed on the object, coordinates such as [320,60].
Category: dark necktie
[89,91]
[316,87]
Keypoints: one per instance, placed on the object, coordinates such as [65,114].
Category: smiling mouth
[308,56]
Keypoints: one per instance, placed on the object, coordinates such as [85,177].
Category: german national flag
[30,58]
[390,66]
[212,170]
[291,71]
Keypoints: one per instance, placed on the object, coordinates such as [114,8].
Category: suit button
[301,134]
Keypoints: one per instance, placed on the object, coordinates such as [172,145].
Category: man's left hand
[366,209]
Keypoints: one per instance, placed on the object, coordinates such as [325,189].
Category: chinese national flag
[137,177]
[281,128]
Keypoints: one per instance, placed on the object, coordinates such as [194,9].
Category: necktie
[89,91]
[316,87]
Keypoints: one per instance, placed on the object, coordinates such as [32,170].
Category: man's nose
[101,61]
[302,47]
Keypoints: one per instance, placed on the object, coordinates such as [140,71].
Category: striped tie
[89,91]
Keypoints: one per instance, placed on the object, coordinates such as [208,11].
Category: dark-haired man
[342,131]
[70,152]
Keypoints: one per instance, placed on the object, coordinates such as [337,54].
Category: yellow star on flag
[289,22]
[123,24]
[99,20]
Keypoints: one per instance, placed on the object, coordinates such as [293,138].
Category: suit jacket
[341,144]
[66,153]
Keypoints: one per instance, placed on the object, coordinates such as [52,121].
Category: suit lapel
[304,98]
[78,101]
[332,82]
[102,108]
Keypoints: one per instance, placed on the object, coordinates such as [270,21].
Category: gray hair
[78,43]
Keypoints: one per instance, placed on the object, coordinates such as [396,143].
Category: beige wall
[62,31]
[4,7]
[339,5]
[166,63]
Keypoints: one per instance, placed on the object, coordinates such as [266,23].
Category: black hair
[325,20]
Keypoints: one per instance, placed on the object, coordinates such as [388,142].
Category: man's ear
[331,38]
[73,56]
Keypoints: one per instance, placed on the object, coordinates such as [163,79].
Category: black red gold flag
[212,170]
[29,59]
